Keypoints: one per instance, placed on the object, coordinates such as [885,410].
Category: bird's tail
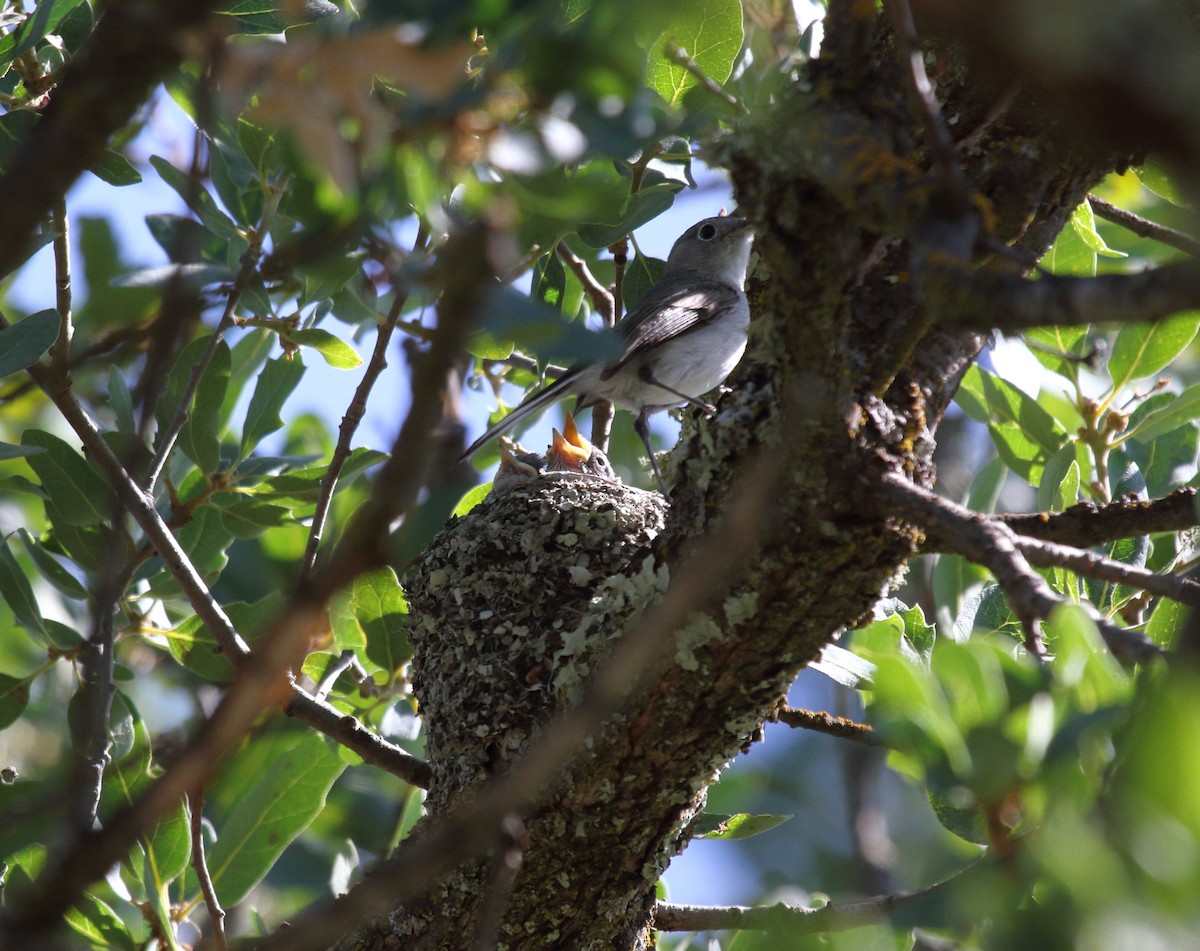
[538,401]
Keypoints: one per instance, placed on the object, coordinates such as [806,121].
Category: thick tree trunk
[515,604]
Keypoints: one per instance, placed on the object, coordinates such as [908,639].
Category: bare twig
[348,731]
[822,722]
[677,54]
[994,545]
[476,824]
[59,223]
[1143,227]
[797,920]
[356,410]
[1085,524]
[602,299]
[166,438]
[95,696]
[1051,555]
[216,914]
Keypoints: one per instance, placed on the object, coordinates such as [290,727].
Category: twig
[1051,555]
[522,361]
[1144,227]
[602,299]
[347,730]
[345,659]
[60,352]
[475,825]
[678,55]
[1085,524]
[216,914]
[166,438]
[801,921]
[822,722]
[994,545]
[355,412]
[96,666]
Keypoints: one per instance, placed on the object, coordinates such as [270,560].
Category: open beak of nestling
[569,449]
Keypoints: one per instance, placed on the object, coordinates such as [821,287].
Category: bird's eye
[707,232]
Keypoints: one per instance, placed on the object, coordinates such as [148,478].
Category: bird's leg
[707,408]
[641,426]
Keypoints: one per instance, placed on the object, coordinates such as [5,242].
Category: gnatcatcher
[683,338]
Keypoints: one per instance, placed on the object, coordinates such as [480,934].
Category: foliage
[328,171]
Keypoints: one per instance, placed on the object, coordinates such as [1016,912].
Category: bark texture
[515,604]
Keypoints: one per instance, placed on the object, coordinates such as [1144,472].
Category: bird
[681,340]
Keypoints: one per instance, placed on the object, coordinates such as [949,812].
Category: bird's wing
[674,312]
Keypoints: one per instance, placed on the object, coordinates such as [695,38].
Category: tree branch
[356,410]
[166,438]
[132,47]
[1143,227]
[822,722]
[216,914]
[994,545]
[985,299]
[1085,524]
[1051,555]
[60,352]
[802,921]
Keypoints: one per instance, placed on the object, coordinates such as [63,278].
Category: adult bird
[684,337]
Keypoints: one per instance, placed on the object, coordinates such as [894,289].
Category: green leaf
[1180,411]
[115,169]
[193,646]
[200,438]
[79,494]
[196,274]
[1083,219]
[18,593]
[740,826]
[1154,176]
[14,695]
[710,32]
[250,517]
[1055,347]
[1070,256]
[22,344]
[843,667]
[274,787]
[9,451]
[99,924]
[274,386]
[1144,349]
[121,400]
[47,15]
[1025,435]
[197,198]
[472,498]
[642,272]
[639,208]
[337,352]
[483,345]
[1166,623]
[51,569]
[379,607]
